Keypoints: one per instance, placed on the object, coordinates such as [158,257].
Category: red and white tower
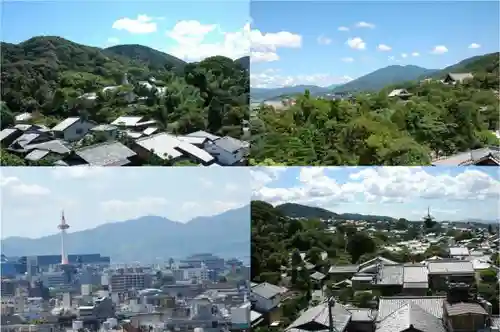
[63,226]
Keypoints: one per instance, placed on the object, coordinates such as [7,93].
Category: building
[72,129]
[124,280]
[453,78]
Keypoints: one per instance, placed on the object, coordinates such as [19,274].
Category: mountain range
[146,238]
[294,210]
[383,77]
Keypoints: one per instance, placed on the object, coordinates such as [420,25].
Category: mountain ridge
[147,237]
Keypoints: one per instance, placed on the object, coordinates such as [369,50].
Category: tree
[360,244]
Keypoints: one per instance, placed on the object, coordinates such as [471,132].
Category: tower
[63,226]
[428,219]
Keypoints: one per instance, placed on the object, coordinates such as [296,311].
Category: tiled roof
[459,251]
[415,273]
[409,316]
[317,275]
[449,267]
[106,154]
[390,275]
[343,269]
[362,314]
[66,123]
[267,290]
[319,314]
[462,308]
[431,304]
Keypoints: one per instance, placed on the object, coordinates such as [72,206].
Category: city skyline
[452,193]
[91,197]
[325,43]
[188,30]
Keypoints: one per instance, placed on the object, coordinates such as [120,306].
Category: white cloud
[383,47]
[378,184]
[343,29]
[439,49]
[474,45]
[415,54]
[272,79]
[78,172]
[192,44]
[273,40]
[231,187]
[16,187]
[143,206]
[391,58]
[113,41]
[356,43]
[404,55]
[5,181]
[322,40]
[256,56]
[347,59]
[142,25]
[365,25]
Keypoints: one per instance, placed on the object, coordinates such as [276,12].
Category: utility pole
[331,303]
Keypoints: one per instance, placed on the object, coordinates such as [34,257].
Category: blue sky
[454,193]
[149,23]
[316,52]
[32,197]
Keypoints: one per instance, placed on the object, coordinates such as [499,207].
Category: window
[79,131]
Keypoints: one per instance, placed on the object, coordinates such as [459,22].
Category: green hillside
[435,120]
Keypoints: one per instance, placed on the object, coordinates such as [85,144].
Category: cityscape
[52,283]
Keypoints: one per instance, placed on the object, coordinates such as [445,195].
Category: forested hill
[153,58]
[481,64]
[294,210]
[47,76]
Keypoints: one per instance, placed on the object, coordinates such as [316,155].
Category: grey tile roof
[416,285]
[204,134]
[450,267]
[410,315]
[267,290]
[370,263]
[415,273]
[106,154]
[469,157]
[195,151]
[460,76]
[36,155]
[229,144]
[7,132]
[25,139]
[390,275]
[318,275]
[319,315]
[127,121]
[103,127]
[163,144]
[343,269]
[462,308]
[459,251]
[431,304]
[66,123]
[193,139]
[56,146]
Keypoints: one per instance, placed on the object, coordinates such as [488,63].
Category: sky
[452,193]
[32,198]
[190,30]
[325,43]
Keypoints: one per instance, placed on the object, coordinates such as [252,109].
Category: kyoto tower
[63,226]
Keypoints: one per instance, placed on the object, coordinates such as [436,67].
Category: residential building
[72,129]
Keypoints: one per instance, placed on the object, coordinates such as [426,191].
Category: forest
[45,76]
[278,240]
[374,129]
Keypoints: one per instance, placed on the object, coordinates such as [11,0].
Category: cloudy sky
[454,193]
[190,30]
[332,42]
[32,197]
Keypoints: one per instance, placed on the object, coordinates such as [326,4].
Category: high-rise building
[123,281]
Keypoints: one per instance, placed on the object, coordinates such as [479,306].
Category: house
[9,135]
[55,149]
[453,78]
[318,319]
[168,147]
[389,279]
[458,252]
[135,123]
[104,154]
[401,93]
[440,272]
[29,138]
[72,129]
[487,156]
[227,150]
[341,272]
[415,279]
[266,299]
[105,132]
[410,317]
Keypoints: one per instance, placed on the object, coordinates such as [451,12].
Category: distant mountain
[273,93]
[143,239]
[385,76]
[303,211]
[487,63]
[147,55]
[244,62]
